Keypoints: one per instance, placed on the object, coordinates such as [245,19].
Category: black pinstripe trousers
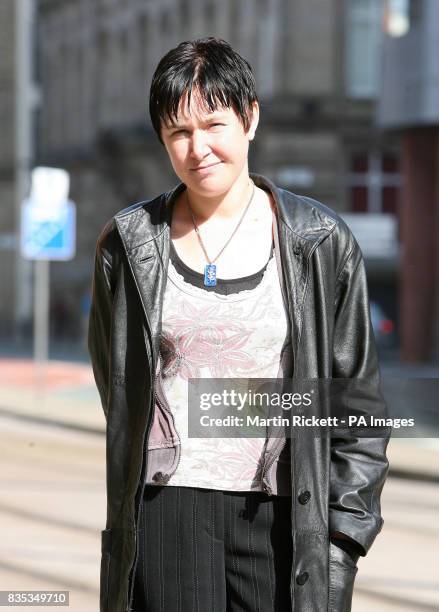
[204,550]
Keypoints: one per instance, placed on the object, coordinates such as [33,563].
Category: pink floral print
[203,336]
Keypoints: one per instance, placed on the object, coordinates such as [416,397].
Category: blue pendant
[210,275]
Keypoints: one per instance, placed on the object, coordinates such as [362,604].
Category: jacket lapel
[145,234]
[299,230]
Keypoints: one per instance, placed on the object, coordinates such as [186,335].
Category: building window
[374,182]
[210,14]
[415,11]
[363,47]
[184,15]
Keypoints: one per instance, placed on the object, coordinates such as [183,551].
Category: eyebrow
[217,115]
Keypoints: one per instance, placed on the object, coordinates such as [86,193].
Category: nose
[199,147]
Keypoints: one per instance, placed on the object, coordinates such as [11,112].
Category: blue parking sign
[48,235]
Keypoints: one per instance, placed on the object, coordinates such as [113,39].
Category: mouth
[205,167]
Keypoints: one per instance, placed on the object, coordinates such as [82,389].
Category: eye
[215,124]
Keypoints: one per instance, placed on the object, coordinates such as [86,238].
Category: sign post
[48,222]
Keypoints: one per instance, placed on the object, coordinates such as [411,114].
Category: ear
[254,121]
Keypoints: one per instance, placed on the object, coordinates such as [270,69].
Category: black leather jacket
[336,482]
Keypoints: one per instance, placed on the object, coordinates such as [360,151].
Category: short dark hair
[210,66]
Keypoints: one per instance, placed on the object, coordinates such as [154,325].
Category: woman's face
[208,151]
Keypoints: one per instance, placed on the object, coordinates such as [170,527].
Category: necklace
[210,267]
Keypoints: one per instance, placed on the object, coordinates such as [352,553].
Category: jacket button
[161,478]
[302,578]
[304,497]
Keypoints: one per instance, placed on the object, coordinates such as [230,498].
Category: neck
[223,206]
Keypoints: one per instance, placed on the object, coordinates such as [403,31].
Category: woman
[227,276]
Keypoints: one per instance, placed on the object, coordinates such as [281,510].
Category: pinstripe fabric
[207,550]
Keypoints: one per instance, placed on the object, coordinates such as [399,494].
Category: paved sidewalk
[64,393]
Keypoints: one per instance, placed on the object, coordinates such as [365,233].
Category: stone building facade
[7,155]
[96,59]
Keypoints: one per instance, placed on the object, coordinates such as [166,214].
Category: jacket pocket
[105,568]
[342,573]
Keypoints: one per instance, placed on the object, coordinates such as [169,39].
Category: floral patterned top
[210,335]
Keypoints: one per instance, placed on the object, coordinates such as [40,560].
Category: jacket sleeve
[99,326]
[358,464]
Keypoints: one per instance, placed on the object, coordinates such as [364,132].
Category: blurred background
[349,94]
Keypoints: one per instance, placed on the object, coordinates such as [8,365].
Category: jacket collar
[308,220]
